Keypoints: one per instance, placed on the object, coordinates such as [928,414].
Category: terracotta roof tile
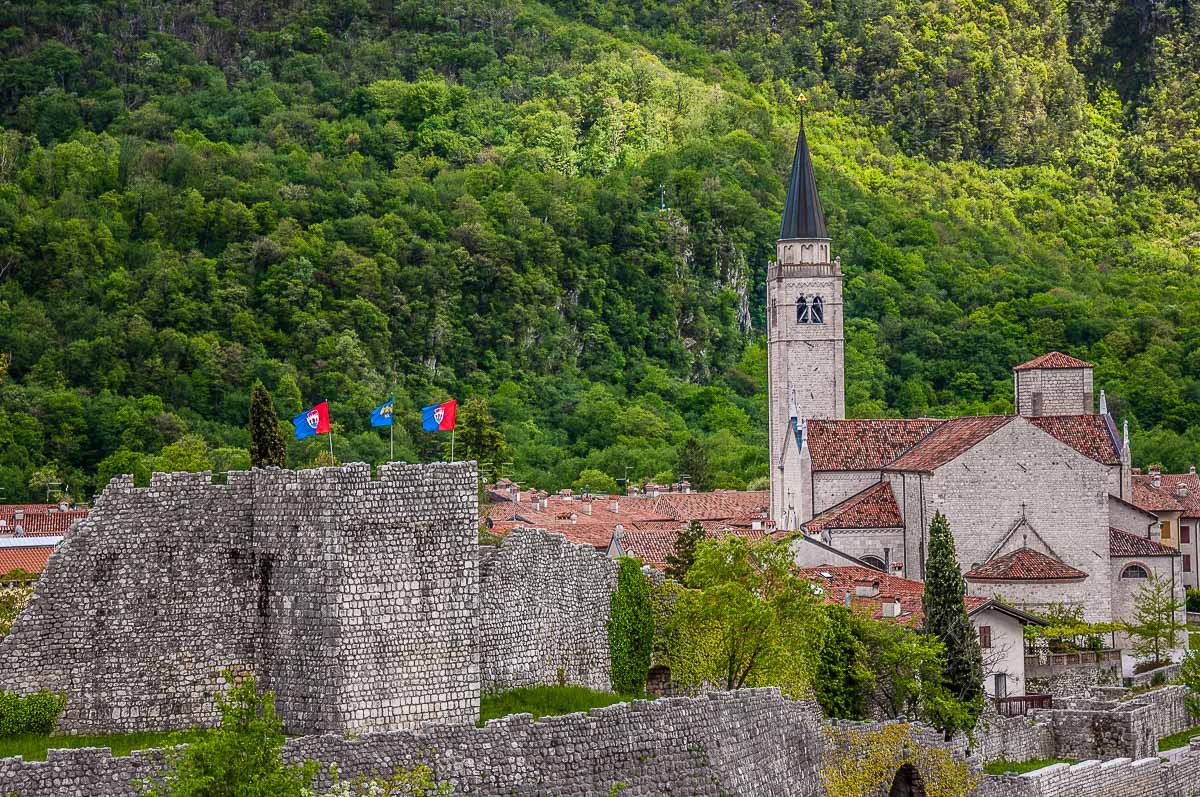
[1054,359]
[38,520]
[1122,543]
[1025,564]
[948,441]
[864,444]
[1181,489]
[718,504]
[836,581]
[873,508]
[1087,434]
[31,559]
[652,546]
[1155,499]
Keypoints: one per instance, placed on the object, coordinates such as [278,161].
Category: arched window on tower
[816,313]
[802,314]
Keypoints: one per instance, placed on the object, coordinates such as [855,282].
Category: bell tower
[805,343]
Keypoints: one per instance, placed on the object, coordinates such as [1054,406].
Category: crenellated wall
[354,599]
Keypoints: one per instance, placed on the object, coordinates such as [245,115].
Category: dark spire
[802,215]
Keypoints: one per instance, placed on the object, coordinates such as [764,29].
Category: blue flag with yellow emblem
[382,416]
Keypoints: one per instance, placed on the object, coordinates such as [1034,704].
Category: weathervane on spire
[801,100]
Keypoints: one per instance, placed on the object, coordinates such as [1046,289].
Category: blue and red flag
[312,421]
[439,417]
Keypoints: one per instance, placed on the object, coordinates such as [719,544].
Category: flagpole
[392,432]
[451,445]
[332,461]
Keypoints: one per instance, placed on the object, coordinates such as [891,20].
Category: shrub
[33,714]
[1193,600]
[630,629]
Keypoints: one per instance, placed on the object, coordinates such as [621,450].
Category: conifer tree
[266,441]
[946,619]
[680,560]
[693,462]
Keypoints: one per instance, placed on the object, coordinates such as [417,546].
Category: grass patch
[1003,767]
[1178,739]
[1193,640]
[33,747]
[545,701]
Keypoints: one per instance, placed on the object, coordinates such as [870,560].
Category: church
[1041,503]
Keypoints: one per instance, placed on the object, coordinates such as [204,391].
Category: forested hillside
[568,210]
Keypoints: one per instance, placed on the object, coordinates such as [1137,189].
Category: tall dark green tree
[630,629]
[843,681]
[478,437]
[267,447]
[946,619]
[680,560]
[693,463]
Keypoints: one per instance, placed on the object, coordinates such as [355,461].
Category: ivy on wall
[630,629]
[863,762]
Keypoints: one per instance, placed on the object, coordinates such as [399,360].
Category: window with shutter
[985,636]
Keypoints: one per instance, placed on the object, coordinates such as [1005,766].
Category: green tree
[843,682]
[13,601]
[478,437]
[1157,626]
[1189,676]
[267,446]
[630,629]
[46,484]
[747,619]
[595,482]
[120,462]
[908,668]
[683,554]
[946,620]
[693,463]
[188,453]
[239,759]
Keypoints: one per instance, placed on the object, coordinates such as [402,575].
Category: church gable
[1022,535]
[1025,564]
[948,442]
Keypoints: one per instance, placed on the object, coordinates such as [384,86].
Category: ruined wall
[1120,777]
[751,743]
[1104,727]
[544,609]
[353,599]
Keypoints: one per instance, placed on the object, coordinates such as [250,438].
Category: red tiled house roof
[873,508]
[836,581]
[1087,434]
[1054,359]
[39,521]
[1024,564]
[948,441]
[31,559]
[1155,499]
[1182,488]
[711,505]
[1122,543]
[653,546]
[864,444]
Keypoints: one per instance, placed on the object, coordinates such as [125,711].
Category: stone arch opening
[907,783]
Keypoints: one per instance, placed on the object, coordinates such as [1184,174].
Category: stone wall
[1063,391]
[752,742]
[354,599]
[544,609]
[1105,727]
[999,738]
[1121,777]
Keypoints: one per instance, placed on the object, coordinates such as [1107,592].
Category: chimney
[1103,403]
[62,506]
[866,588]
[1192,470]
[1155,477]
[1181,490]
[846,600]
[615,506]
[587,508]
[19,514]
[891,607]
[1136,471]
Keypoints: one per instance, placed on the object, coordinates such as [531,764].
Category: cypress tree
[946,618]
[680,560]
[266,441]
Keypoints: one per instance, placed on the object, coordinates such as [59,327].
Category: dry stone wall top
[354,599]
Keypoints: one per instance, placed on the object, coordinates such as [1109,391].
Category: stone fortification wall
[1120,777]
[544,610]
[1104,727]
[353,599]
[750,743]
[999,738]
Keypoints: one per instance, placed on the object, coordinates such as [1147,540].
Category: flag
[313,421]
[382,415]
[439,417]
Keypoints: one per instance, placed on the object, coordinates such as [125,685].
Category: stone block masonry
[751,743]
[1118,777]
[354,599]
[544,611]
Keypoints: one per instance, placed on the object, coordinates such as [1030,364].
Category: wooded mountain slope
[568,209]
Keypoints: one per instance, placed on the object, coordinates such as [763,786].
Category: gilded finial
[801,100]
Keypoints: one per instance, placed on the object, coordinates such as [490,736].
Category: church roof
[948,441]
[802,215]
[864,444]
[873,508]
[1054,359]
[1025,564]
[1122,543]
[1087,434]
